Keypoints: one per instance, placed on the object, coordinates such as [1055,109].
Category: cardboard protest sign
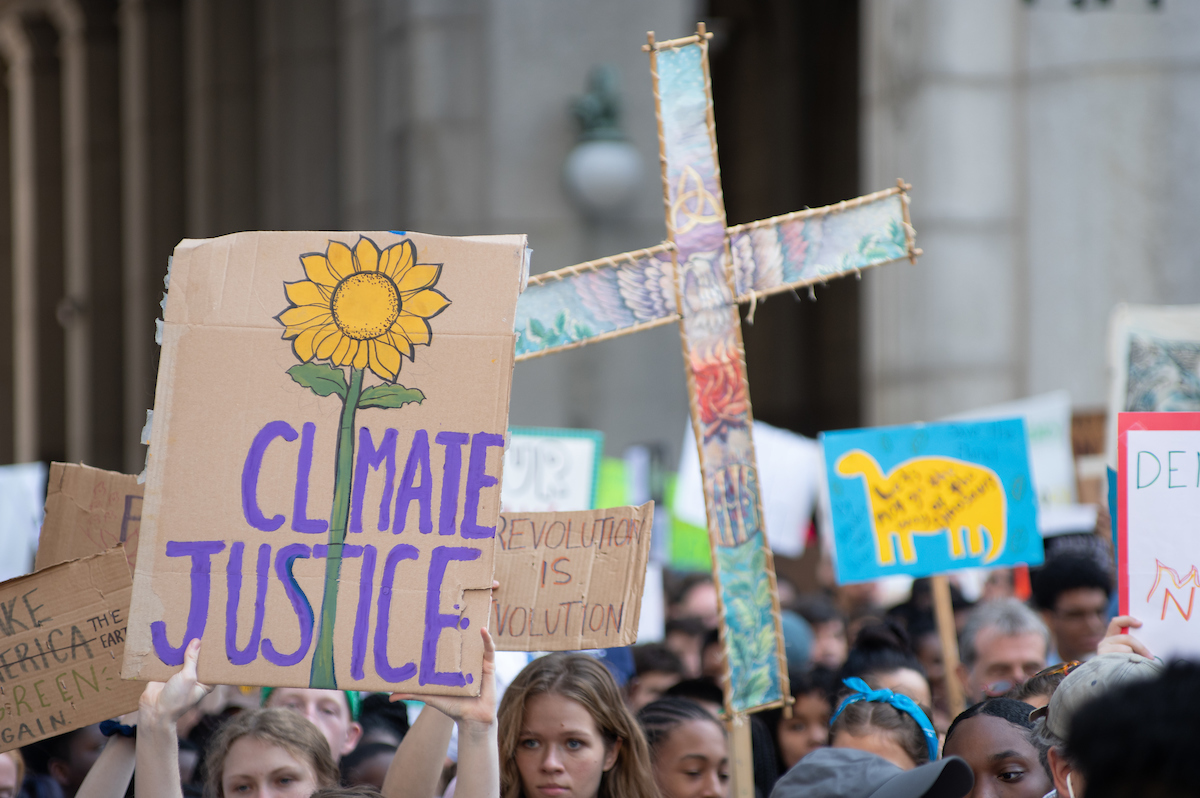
[548,469]
[929,498]
[1158,485]
[322,486]
[570,581]
[88,510]
[63,635]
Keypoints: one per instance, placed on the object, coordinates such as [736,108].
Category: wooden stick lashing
[943,612]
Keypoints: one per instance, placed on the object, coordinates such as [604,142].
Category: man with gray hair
[1003,644]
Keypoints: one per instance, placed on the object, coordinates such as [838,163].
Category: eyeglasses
[1063,667]
[998,689]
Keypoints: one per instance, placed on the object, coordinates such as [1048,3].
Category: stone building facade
[1050,144]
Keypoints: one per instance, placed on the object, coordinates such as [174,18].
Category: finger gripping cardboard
[323,479]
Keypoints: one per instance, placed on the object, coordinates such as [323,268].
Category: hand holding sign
[163,704]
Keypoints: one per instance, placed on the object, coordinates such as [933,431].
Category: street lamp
[603,170]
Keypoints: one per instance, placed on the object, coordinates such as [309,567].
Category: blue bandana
[863,692]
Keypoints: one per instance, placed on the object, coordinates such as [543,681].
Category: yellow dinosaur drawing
[930,496]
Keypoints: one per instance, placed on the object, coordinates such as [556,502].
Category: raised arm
[161,706]
[415,770]
[109,776]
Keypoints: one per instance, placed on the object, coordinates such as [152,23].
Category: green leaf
[321,378]
[536,328]
[389,396]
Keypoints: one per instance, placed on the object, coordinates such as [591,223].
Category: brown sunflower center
[365,305]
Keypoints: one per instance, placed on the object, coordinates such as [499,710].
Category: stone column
[92,307]
[152,191]
[30,48]
[221,138]
[942,110]
[299,114]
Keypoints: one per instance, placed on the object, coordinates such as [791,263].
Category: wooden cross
[696,279]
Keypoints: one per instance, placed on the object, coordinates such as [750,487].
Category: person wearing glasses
[1072,592]
[1003,644]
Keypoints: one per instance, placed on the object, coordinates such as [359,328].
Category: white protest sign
[550,470]
[1158,550]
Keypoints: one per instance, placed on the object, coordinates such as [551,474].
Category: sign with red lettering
[1158,485]
[323,480]
[588,570]
[62,635]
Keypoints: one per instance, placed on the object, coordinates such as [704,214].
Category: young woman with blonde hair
[565,732]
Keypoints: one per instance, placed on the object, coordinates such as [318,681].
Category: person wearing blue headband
[884,723]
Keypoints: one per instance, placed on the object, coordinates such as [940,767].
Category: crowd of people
[1062,700]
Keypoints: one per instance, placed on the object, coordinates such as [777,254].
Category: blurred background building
[1050,143]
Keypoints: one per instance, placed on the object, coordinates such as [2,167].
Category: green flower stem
[323,676]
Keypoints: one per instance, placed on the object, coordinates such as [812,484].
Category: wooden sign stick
[741,751]
[943,611]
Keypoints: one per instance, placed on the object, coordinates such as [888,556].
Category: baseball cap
[850,773]
[1097,675]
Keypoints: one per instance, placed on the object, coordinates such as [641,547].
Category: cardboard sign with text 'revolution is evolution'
[323,480]
[62,635]
[570,581]
[88,510]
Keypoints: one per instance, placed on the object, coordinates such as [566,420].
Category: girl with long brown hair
[565,732]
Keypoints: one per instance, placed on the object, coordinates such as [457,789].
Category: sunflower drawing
[362,309]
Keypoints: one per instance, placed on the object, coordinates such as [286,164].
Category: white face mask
[1070,789]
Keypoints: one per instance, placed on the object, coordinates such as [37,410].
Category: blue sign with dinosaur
[929,498]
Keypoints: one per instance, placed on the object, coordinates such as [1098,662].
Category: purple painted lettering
[384,668]
[362,621]
[451,475]
[300,520]
[233,573]
[436,620]
[201,552]
[418,461]
[477,480]
[254,516]
[371,458]
[284,559]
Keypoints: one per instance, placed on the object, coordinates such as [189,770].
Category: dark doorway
[786,89]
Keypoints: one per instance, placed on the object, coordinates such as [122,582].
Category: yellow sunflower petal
[341,261]
[397,259]
[414,328]
[398,342]
[327,341]
[419,276]
[367,255]
[385,359]
[363,356]
[317,268]
[304,316]
[427,303]
[339,356]
[373,361]
[304,343]
[306,292]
